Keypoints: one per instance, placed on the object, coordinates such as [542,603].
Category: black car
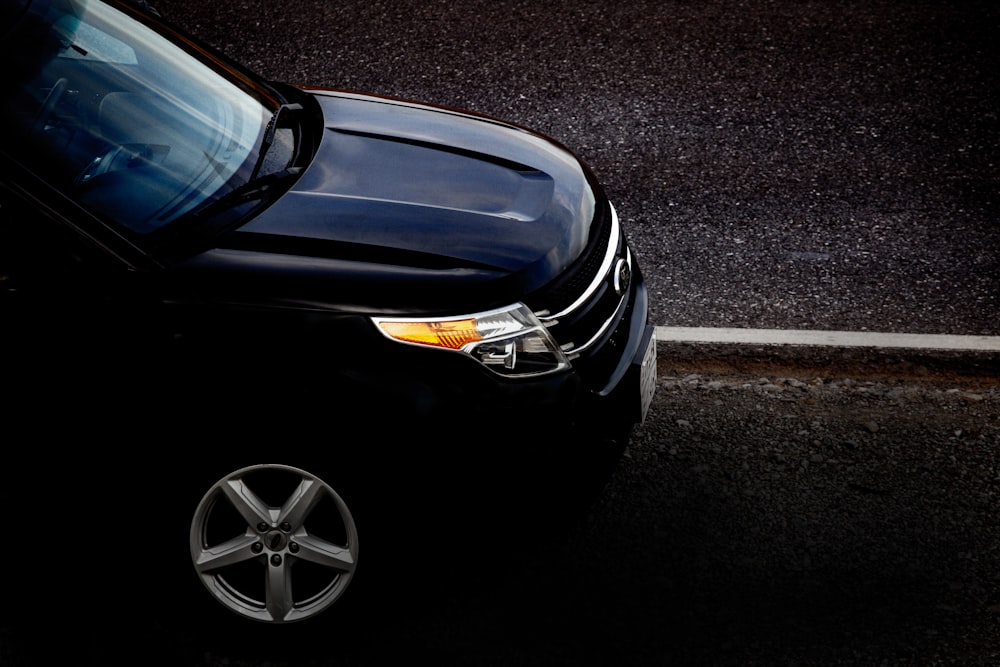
[266,324]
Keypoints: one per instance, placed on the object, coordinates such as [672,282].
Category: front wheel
[274,543]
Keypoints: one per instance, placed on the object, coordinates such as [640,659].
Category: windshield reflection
[122,120]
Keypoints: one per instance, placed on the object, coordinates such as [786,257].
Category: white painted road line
[828,338]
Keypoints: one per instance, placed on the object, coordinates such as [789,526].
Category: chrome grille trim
[609,257]
[574,350]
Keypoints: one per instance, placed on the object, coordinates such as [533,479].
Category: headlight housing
[509,341]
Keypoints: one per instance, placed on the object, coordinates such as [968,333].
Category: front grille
[582,307]
[563,292]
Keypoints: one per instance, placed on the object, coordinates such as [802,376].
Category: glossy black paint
[435,181]
[412,204]
[400,208]
[392,208]
[163,361]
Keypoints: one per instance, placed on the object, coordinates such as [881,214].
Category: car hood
[426,196]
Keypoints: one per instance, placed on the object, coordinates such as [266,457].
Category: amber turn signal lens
[451,334]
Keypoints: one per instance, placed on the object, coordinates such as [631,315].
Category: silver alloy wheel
[274,543]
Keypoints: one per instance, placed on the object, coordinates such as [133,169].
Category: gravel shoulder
[779,507]
[809,508]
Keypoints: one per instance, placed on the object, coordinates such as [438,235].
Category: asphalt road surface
[778,164]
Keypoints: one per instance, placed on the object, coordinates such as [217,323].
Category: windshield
[124,121]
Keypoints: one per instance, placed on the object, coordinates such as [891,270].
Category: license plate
[647,376]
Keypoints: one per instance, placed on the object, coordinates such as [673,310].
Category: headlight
[509,341]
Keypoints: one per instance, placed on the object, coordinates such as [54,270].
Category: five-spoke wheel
[274,543]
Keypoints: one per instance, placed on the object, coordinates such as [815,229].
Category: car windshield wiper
[269,132]
[258,188]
